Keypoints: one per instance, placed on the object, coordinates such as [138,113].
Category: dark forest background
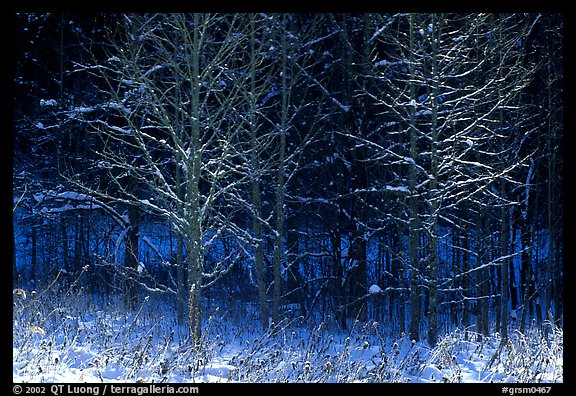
[399,167]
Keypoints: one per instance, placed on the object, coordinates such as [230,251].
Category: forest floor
[73,339]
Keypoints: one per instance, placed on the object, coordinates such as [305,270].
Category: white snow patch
[48,103]
[86,343]
[374,289]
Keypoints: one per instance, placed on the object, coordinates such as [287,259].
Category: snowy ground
[75,340]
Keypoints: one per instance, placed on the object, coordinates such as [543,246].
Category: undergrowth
[62,336]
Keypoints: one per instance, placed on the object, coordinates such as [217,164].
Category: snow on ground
[75,341]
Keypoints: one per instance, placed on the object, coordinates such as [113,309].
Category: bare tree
[448,85]
[176,84]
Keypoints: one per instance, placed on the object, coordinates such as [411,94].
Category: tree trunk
[180,278]
[398,279]
[194,257]
[435,196]
[357,251]
[466,280]
[194,295]
[358,274]
[413,222]
[34,255]
[483,280]
[78,235]
[278,232]
[256,195]
[131,256]
[194,237]
[554,283]
[280,186]
[339,293]
[259,252]
[455,306]
[504,276]
[65,244]
[513,293]
[15,275]
[295,284]
[526,272]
